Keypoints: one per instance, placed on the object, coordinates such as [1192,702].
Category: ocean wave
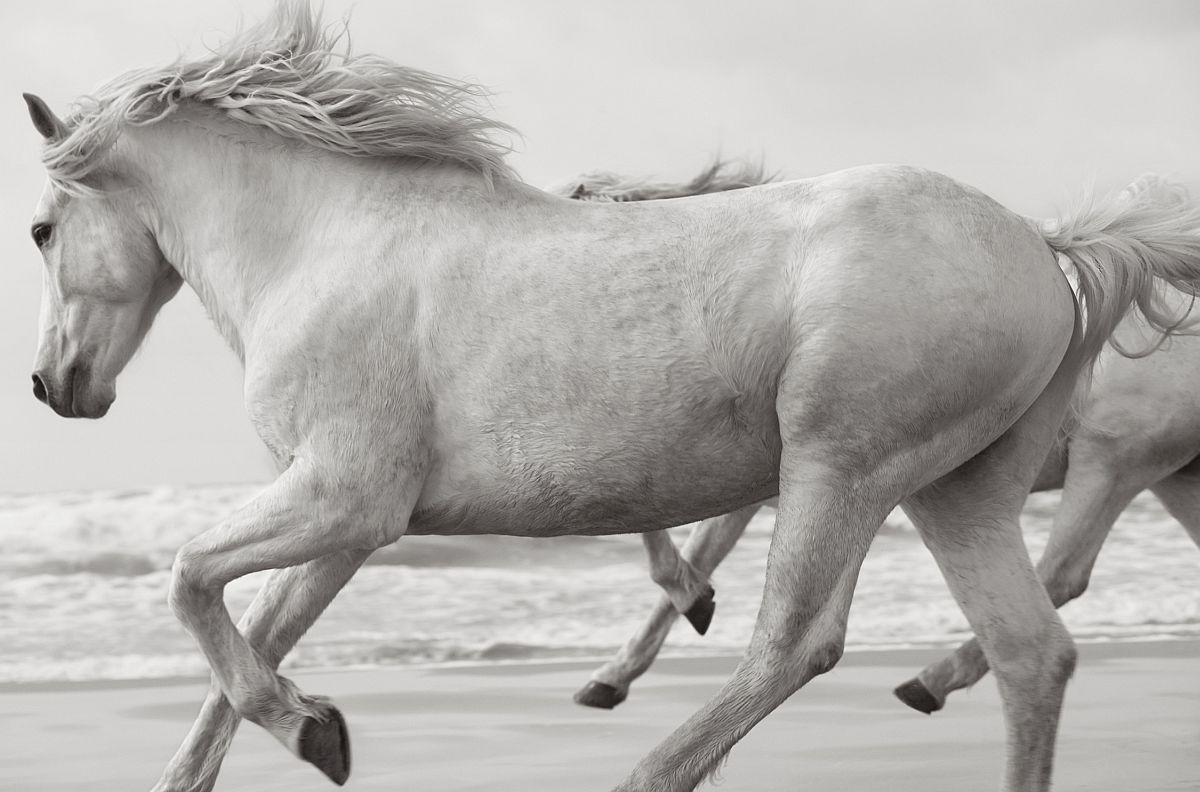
[104,563]
[84,579]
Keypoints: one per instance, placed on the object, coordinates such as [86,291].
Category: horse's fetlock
[247,705]
[260,706]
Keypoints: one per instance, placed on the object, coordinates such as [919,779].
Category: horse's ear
[49,125]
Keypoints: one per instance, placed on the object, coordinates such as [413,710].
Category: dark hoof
[916,695]
[327,745]
[599,695]
[701,612]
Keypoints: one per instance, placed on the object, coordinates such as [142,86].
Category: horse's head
[103,283]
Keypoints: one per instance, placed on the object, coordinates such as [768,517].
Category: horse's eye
[41,234]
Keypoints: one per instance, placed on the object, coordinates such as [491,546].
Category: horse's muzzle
[70,398]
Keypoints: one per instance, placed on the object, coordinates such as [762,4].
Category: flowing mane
[298,78]
[720,176]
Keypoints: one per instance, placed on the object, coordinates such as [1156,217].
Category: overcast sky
[1029,101]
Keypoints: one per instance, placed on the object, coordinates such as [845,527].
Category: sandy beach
[1132,724]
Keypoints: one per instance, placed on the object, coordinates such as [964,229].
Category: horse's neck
[236,217]
[216,210]
[241,214]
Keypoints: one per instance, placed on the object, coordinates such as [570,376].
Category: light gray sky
[1029,101]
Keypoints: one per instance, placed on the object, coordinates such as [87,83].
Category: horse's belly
[630,492]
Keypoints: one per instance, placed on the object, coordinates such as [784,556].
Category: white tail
[1123,250]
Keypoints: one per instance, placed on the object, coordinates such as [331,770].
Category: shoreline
[1131,722]
[1095,648]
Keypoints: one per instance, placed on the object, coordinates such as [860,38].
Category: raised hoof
[916,695]
[599,695]
[701,612]
[326,743]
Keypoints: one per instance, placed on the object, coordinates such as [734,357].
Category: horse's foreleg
[822,532]
[706,547]
[285,607]
[686,587]
[299,518]
[1097,489]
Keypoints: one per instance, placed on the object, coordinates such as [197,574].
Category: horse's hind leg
[285,607]
[707,546]
[828,515]
[845,463]
[688,589]
[969,519]
[1097,489]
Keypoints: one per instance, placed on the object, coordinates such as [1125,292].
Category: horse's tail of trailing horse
[1124,250]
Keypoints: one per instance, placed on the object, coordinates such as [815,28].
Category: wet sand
[1131,724]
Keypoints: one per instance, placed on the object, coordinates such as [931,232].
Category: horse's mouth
[76,410]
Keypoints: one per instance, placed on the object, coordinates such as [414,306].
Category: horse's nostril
[39,388]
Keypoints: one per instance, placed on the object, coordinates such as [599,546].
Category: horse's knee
[190,585]
[824,658]
[1048,660]
[800,661]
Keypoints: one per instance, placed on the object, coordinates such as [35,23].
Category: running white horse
[432,346]
[1136,427]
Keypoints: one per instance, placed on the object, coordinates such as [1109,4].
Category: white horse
[1136,427]
[432,346]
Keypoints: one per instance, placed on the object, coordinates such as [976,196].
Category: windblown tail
[720,176]
[1124,251]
